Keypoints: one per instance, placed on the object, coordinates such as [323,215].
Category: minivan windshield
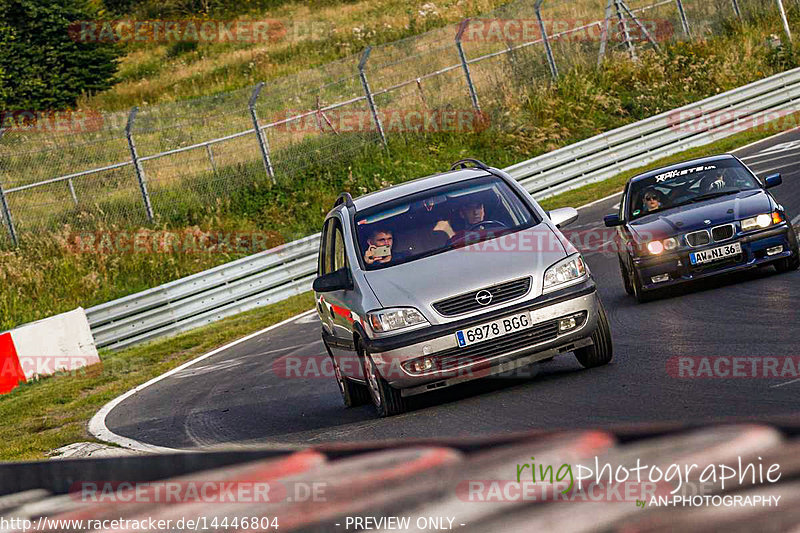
[438,220]
[687,185]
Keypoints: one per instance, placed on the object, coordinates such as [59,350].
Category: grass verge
[55,411]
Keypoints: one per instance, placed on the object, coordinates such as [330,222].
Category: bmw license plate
[715,254]
[492,330]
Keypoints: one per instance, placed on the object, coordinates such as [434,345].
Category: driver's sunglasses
[650,199]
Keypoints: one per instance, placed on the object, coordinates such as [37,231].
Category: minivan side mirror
[339,280]
[563,216]
[773,180]
[612,220]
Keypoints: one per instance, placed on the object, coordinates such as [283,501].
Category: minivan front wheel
[353,394]
[601,352]
[388,401]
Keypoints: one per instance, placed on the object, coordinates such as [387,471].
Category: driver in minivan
[473,212]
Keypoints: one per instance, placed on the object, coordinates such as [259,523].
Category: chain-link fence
[160,163]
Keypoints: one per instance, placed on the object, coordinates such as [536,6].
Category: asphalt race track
[237,397]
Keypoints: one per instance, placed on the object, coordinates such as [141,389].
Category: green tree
[41,65]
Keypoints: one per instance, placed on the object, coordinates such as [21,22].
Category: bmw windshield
[687,185]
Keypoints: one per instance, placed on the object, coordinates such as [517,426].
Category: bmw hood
[692,217]
[422,282]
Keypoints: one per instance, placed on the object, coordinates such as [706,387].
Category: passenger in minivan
[379,247]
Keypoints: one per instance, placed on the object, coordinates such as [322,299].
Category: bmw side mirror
[339,280]
[773,180]
[612,220]
[563,217]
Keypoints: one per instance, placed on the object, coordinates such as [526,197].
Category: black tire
[353,394]
[793,262]
[387,400]
[626,279]
[638,292]
[602,351]
[788,264]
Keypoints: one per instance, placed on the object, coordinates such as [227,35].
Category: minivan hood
[424,281]
[722,210]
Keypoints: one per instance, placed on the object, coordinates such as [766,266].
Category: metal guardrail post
[263,145]
[472,94]
[684,20]
[736,9]
[784,19]
[6,211]
[362,65]
[137,164]
[550,59]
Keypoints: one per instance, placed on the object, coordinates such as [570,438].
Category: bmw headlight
[656,247]
[393,319]
[761,221]
[566,272]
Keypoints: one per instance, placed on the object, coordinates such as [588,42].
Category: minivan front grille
[698,238]
[453,358]
[468,302]
[721,233]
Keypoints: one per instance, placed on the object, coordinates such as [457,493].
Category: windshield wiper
[707,196]
[711,195]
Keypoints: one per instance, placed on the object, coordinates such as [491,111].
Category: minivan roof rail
[344,198]
[462,164]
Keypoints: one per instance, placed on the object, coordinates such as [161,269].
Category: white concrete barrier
[61,343]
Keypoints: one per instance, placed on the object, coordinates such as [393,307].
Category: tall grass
[317,33]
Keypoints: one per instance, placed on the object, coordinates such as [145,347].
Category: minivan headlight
[565,272]
[385,320]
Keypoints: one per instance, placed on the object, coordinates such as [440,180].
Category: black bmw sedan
[697,219]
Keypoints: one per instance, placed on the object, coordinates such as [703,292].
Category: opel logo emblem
[483,297]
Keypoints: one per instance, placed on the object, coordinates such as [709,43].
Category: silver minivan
[450,278]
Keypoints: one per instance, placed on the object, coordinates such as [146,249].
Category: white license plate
[492,330]
[715,254]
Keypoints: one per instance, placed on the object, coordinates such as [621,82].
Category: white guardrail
[288,270]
